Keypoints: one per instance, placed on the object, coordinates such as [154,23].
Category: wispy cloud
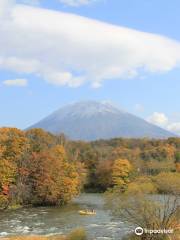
[66,49]
[77,3]
[15,83]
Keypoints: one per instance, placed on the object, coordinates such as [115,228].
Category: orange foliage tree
[35,169]
[13,144]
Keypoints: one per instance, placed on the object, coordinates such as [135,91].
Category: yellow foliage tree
[67,177]
[121,171]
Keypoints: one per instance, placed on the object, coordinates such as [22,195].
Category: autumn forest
[38,168]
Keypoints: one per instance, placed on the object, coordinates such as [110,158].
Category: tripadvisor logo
[139,231]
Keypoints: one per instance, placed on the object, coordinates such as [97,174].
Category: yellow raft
[84,212]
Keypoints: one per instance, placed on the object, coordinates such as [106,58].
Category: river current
[51,221]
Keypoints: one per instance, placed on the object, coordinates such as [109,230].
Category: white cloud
[5,8]
[30,2]
[161,120]
[16,82]
[76,3]
[19,65]
[66,49]
[174,127]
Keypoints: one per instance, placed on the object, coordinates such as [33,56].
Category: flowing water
[50,221]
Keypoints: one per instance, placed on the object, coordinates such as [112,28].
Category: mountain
[92,120]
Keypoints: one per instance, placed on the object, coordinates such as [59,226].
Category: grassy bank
[35,238]
[77,234]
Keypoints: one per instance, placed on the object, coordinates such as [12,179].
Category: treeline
[39,168]
[148,158]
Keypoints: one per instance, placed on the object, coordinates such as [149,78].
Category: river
[49,221]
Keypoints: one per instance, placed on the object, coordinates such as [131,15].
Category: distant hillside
[92,120]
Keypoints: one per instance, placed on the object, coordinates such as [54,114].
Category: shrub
[77,234]
[131,237]
[168,182]
[150,212]
[142,184]
[3,202]
[134,237]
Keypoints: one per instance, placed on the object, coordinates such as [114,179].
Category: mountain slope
[94,120]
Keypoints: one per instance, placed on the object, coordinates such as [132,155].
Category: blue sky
[153,94]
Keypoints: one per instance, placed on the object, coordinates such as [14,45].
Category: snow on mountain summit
[91,120]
